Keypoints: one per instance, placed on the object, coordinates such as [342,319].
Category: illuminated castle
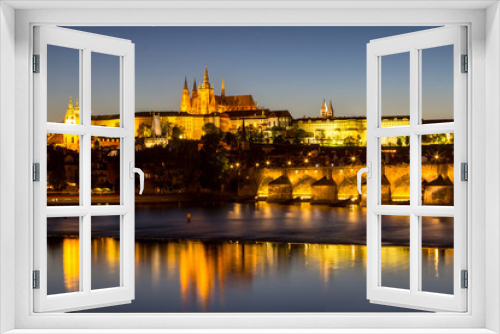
[202,100]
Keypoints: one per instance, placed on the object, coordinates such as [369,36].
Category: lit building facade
[202,100]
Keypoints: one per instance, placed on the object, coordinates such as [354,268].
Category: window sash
[86,44]
[413,43]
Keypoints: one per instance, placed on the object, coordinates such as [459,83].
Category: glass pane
[63,169]
[105,178]
[437,254]
[438,169]
[105,90]
[437,84]
[63,85]
[395,90]
[395,158]
[63,255]
[395,255]
[105,252]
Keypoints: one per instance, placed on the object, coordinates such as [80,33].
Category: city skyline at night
[283,68]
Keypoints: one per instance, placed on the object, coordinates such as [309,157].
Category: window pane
[438,169]
[63,255]
[395,254]
[105,178]
[63,169]
[63,85]
[395,95]
[395,178]
[437,254]
[437,84]
[105,252]
[105,90]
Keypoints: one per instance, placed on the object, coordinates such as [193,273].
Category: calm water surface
[249,258]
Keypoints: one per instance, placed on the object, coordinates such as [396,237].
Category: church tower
[72,142]
[206,98]
[222,88]
[70,113]
[330,113]
[324,109]
[185,99]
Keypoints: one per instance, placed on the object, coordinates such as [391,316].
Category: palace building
[202,99]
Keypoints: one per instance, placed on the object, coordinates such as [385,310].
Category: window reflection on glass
[63,169]
[438,169]
[395,253]
[395,90]
[105,90]
[63,85]
[437,254]
[63,255]
[105,177]
[105,252]
[395,178]
[437,84]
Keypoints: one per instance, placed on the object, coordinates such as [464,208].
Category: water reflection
[219,261]
[192,276]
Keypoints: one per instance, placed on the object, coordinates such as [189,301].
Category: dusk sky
[292,68]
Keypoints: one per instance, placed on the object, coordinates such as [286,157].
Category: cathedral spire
[206,83]
[222,88]
[70,105]
[323,109]
[330,113]
[186,98]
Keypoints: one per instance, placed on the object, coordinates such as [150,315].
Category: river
[250,258]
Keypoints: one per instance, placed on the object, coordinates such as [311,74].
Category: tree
[278,140]
[275,132]
[209,128]
[56,173]
[300,135]
[320,135]
[213,161]
[177,132]
[144,130]
[399,142]
[165,128]
[256,137]
[230,138]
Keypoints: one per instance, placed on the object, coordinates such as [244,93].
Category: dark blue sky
[292,68]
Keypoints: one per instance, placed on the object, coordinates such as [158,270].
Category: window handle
[368,171]
[133,170]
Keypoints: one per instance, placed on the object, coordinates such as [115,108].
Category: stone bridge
[304,180]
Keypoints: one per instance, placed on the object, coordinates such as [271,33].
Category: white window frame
[483,122]
[85,44]
[414,43]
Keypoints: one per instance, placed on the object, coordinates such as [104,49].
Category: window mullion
[415,267]
[86,240]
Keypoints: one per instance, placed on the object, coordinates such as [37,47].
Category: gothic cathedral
[203,101]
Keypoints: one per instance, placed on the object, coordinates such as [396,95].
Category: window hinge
[464,171]
[36,279]
[465,279]
[36,172]
[36,63]
[465,63]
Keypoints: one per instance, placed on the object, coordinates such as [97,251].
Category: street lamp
[257,164]
[268,162]
[289,163]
